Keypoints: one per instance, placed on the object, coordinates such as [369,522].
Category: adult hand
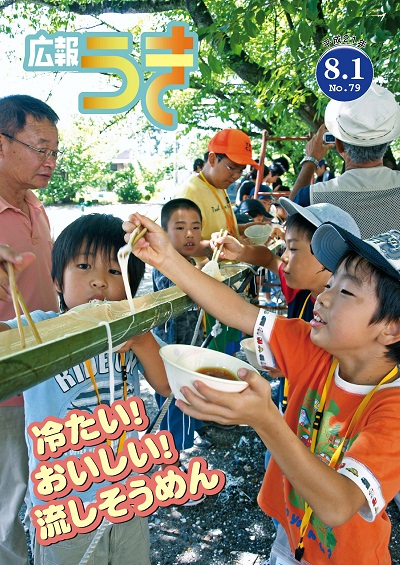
[316,147]
[18,260]
[250,407]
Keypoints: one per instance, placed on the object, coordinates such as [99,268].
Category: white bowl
[258,234]
[249,348]
[182,361]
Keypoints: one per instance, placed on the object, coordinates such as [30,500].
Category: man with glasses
[28,154]
[229,151]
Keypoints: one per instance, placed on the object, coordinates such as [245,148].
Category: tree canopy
[257,58]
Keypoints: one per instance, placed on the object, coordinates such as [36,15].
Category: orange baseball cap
[235,144]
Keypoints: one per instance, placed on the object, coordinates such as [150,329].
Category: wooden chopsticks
[137,233]
[218,248]
[19,303]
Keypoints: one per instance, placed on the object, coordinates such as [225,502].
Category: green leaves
[205,71]
[289,7]
[251,28]
[294,43]
[352,8]
[260,17]
[236,44]
[214,63]
[312,7]
[305,32]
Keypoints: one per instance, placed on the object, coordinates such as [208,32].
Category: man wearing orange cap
[229,151]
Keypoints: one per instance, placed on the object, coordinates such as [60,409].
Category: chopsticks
[123,258]
[218,248]
[135,236]
[137,233]
[19,303]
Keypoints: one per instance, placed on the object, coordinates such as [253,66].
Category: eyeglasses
[231,169]
[43,154]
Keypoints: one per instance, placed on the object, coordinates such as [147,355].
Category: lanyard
[286,382]
[335,457]
[304,306]
[89,368]
[230,222]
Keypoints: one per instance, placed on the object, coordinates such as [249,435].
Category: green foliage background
[257,63]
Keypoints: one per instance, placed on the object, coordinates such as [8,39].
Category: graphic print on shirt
[85,397]
[329,439]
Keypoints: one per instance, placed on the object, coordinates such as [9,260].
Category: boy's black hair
[304,227]
[254,172]
[15,108]
[198,163]
[276,169]
[283,162]
[387,290]
[89,234]
[175,204]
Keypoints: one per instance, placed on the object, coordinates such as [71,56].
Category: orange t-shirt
[371,458]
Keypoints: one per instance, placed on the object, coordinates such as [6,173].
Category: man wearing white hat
[363,130]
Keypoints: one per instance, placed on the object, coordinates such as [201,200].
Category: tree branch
[118,7]
[247,70]
[196,84]
[321,29]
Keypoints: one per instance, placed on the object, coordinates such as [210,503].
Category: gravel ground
[227,528]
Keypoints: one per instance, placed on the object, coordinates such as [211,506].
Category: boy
[84,268]
[181,220]
[347,470]
[301,276]
[255,210]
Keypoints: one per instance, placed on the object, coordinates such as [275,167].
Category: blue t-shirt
[73,389]
[303,196]
[179,329]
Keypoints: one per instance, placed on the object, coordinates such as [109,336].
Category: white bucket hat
[318,214]
[372,119]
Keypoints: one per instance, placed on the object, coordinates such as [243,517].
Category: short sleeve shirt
[370,458]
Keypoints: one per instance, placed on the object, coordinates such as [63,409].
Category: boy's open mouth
[317,320]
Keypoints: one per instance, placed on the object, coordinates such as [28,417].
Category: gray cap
[318,214]
[330,244]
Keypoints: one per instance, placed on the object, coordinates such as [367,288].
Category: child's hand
[231,247]
[154,246]
[252,406]
[19,260]
[278,232]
